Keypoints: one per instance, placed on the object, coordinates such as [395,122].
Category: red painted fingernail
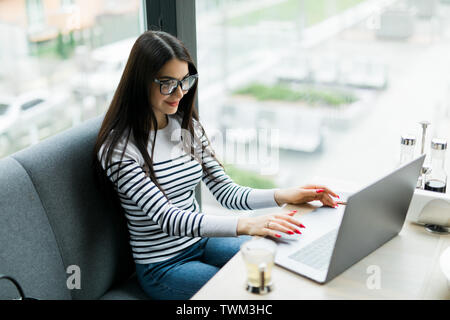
[302,226]
[290,232]
[296,231]
[277,235]
[295,211]
[320,190]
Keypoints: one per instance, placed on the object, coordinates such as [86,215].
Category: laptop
[335,239]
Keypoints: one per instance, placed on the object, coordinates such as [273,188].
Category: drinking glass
[259,257]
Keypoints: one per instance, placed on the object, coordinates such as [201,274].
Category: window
[334,83]
[67,3]
[35,13]
[31,104]
[61,63]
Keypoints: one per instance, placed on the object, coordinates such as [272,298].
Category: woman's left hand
[298,195]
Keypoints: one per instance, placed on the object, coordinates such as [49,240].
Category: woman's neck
[162,121]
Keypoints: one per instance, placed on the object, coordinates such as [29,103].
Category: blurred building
[32,30]
[43,21]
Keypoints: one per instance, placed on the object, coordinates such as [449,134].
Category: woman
[153,151]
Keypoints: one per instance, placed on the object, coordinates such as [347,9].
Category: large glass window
[60,63]
[299,91]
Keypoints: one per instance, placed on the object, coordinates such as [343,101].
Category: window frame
[178,18]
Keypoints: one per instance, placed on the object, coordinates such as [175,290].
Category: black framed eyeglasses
[167,87]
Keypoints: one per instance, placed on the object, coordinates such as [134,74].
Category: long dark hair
[131,112]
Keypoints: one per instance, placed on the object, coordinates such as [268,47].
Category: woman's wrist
[242,226]
[279,197]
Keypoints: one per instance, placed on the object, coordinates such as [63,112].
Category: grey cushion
[87,230]
[28,250]
[130,289]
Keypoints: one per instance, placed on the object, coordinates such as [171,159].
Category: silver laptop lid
[373,216]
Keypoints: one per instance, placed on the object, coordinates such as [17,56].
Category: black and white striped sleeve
[131,182]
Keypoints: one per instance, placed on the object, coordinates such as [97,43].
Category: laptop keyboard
[318,253]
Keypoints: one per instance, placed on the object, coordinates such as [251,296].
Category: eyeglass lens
[169,86]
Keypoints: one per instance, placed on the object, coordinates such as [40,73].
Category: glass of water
[259,257]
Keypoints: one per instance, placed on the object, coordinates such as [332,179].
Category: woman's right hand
[269,225]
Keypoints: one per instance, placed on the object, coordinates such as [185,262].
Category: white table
[408,267]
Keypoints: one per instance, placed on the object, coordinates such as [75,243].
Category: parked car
[8,113]
[27,118]
[7,117]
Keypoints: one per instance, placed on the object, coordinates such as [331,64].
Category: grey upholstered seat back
[90,232]
[28,250]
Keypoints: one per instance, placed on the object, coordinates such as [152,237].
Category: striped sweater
[161,227]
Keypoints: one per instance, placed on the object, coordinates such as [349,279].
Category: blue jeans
[180,277]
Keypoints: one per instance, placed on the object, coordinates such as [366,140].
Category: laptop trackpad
[317,223]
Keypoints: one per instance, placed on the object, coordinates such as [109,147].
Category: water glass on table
[259,257]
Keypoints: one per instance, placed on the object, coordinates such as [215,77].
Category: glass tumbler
[259,258]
